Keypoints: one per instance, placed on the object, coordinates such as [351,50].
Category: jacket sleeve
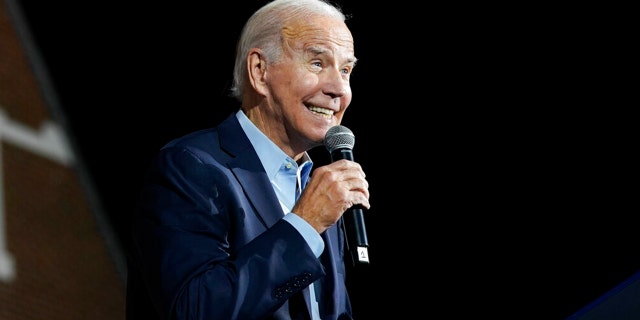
[204,252]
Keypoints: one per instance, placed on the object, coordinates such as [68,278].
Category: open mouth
[325,113]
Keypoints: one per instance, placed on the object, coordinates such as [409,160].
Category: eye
[347,69]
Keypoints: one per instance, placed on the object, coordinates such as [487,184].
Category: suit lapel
[248,169]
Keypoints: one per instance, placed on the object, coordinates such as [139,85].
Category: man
[230,225]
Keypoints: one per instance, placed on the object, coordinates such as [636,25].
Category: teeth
[327,112]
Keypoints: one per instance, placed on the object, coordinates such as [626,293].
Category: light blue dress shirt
[288,179]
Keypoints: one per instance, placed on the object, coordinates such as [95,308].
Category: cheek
[301,85]
[346,98]
[293,82]
[348,95]
[306,80]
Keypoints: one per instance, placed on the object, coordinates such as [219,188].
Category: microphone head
[339,137]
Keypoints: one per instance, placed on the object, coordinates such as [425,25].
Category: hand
[333,189]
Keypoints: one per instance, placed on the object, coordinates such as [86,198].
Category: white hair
[264,27]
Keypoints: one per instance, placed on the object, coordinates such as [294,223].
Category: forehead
[319,31]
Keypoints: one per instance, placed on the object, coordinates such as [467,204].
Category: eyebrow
[315,50]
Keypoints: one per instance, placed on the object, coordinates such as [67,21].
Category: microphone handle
[353,219]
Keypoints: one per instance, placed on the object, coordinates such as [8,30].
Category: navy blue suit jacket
[209,241]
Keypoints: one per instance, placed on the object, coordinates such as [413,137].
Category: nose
[336,83]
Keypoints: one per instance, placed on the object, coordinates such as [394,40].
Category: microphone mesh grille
[339,137]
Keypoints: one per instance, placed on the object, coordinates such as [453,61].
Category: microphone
[339,141]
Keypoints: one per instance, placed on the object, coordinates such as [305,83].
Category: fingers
[332,190]
[345,182]
[357,189]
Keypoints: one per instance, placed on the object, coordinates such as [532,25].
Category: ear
[257,70]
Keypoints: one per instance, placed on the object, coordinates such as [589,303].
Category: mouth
[323,112]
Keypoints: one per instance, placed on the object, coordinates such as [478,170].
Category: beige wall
[57,257]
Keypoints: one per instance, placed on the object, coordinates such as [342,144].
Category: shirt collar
[271,156]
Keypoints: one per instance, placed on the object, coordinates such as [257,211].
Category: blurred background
[502,172]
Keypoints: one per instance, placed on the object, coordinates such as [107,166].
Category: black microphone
[339,140]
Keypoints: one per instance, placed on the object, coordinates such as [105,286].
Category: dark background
[501,177]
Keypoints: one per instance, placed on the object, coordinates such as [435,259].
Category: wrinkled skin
[295,101]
